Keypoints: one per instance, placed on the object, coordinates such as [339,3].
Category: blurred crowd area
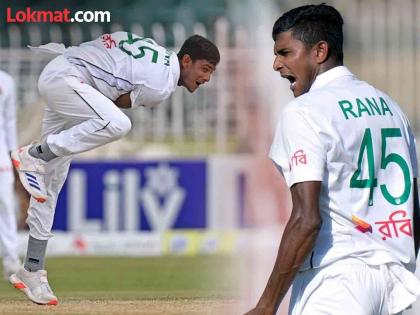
[236,113]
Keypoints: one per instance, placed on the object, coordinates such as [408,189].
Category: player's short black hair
[199,47]
[313,23]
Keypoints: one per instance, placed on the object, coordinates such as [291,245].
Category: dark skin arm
[123,101]
[416,218]
[296,244]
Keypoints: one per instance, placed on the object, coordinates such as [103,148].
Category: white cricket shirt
[7,119]
[123,62]
[358,142]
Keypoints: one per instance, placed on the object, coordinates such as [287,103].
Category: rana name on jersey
[364,107]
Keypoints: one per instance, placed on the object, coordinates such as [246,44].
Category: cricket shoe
[31,172]
[34,285]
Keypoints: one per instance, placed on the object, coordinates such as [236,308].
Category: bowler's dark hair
[313,23]
[199,47]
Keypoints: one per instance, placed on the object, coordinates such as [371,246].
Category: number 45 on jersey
[366,148]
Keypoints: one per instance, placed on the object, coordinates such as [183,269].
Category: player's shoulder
[295,112]
[161,76]
[293,106]
[302,105]
[131,37]
[118,33]
[390,103]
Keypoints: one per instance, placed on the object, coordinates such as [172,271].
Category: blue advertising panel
[133,196]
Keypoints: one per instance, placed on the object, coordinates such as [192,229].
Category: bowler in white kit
[84,89]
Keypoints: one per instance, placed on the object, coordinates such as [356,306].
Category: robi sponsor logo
[298,158]
[397,224]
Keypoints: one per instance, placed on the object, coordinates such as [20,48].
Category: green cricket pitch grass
[126,285]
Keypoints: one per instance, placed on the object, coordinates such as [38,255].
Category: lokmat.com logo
[58,16]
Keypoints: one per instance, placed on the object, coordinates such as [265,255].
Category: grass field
[121,285]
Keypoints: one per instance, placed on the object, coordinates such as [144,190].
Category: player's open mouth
[292,81]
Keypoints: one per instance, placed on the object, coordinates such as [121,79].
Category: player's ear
[186,60]
[321,51]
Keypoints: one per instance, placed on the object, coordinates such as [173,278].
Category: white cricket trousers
[351,287]
[77,118]
[8,225]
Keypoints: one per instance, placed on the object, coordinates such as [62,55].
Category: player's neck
[328,65]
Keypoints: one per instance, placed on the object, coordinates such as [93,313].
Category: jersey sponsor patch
[108,41]
[298,158]
[394,226]
[361,225]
